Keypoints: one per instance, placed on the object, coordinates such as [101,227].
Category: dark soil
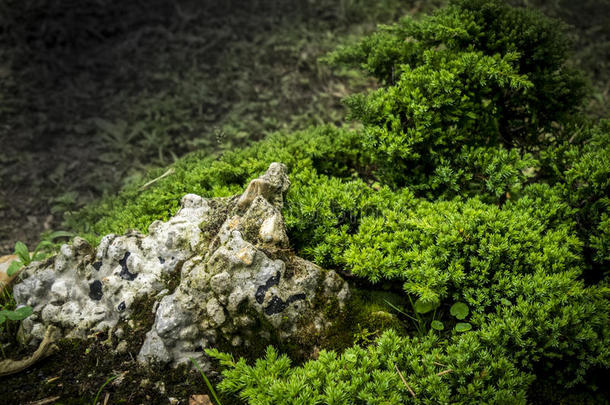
[77,371]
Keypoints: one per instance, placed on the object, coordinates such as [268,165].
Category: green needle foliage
[475,73]
[474,189]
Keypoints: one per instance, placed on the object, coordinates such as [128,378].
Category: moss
[220,207]
[366,316]
[141,313]
[257,343]
[172,279]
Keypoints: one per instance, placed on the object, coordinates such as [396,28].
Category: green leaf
[24,311]
[207,381]
[2,316]
[60,234]
[437,325]
[459,310]
[19,314]
[38,257]
[424,307]
[463,327]
[14,267]
[43,244]
[394,307]
[22,251]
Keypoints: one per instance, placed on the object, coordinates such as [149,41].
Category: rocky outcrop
[220,273]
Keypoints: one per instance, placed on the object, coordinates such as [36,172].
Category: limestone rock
[239,283]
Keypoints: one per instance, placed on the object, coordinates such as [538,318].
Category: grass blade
[208,383]
[101,388]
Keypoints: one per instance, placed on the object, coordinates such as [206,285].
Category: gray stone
[238,280]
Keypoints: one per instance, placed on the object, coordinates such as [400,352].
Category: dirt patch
[79,368]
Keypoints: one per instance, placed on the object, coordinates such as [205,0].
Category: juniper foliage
[477,73]
[472,181]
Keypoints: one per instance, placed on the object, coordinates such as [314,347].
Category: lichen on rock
[240,283]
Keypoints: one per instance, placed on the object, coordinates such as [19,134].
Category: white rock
[230,282]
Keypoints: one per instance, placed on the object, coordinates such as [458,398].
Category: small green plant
[421,308]
[207,382]
[9,313]
[18,314]
[97,396]
[364,336]
[463,327]
[41,251]
[461,311]
[65,202]
[437,325]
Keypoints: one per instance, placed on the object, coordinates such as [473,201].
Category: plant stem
[206,381]
[102,387]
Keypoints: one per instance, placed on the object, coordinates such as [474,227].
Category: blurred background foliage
[94,93]
[590,34]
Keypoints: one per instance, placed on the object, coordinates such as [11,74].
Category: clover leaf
[437,325]
[459,310]
[463,327]
[422,307]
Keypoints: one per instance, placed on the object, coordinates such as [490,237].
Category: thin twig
[46,348]
[106,398]
[405,381]
[439,364]
[44,401]
[445,372]
[167,173]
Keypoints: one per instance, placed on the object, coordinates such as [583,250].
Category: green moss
[456,202]
[220,209]
[365,317]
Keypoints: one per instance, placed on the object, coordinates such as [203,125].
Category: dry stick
[46,348]
[445,372]
[44,401]
[106,399]
[167,173]
[405,381]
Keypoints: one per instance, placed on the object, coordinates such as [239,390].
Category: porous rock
[239,283]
